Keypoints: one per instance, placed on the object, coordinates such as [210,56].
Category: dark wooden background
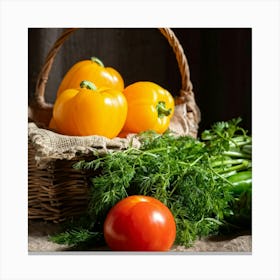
[220,61]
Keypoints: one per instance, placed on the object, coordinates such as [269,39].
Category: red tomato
[139,223]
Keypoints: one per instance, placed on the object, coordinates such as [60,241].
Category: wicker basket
[56,191]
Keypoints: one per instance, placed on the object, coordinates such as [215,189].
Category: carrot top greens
[189,175]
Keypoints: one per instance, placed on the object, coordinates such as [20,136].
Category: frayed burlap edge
[50,145]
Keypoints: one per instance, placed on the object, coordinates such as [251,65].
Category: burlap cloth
[39,232]
[50,146]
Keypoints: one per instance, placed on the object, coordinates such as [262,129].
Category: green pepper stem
[162,110]
[97,60]
[88,85]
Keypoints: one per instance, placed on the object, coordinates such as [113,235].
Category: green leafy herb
[188,175]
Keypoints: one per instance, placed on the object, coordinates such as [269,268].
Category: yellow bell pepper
[150,107]
[89,111]
[94,71]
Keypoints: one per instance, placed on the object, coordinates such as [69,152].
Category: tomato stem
[88,85]
[97,60]
[162,110]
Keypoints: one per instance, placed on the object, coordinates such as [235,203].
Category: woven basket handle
[186,93]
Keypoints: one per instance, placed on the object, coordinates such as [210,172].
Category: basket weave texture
[56,191]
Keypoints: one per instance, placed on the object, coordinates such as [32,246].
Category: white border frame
[17,16]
